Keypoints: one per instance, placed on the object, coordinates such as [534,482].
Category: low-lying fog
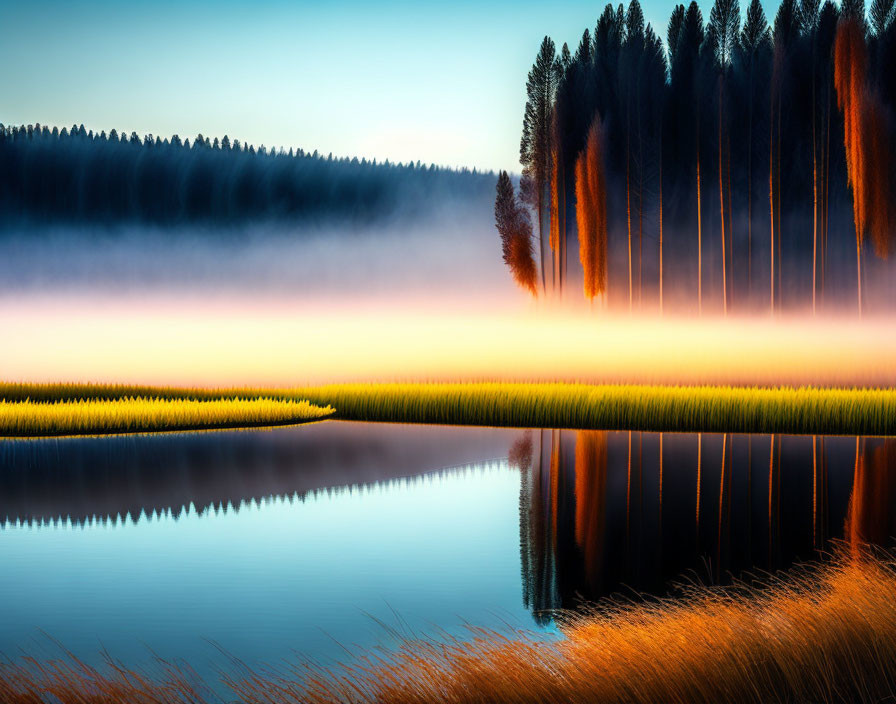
[457,257]
[410,300]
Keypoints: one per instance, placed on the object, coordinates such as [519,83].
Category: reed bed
[804,410]
[131,415]
[825,633]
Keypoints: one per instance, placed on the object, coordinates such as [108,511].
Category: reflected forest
[631,514]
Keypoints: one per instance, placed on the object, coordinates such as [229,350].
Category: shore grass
[825,633]
[138,414]
[804,410]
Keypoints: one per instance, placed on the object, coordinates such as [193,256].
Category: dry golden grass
[821,634]
[556,405]
[130,415]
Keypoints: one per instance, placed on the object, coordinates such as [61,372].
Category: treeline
[747,155]
[81,176]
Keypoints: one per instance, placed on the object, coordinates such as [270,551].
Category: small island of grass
[29,418]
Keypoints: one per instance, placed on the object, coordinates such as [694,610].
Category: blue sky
[439,82]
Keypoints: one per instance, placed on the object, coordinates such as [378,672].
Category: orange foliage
[591,212]
[521,261]
[850,62]
[591,491]
[879,205]
[866,136]
[554,240]
[870,518]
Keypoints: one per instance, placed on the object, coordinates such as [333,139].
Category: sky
[439,82]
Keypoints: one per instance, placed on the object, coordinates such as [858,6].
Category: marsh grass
[804,410]
[825,633]
[138,414]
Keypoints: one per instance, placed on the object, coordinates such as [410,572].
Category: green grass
[131,415]
[606,407]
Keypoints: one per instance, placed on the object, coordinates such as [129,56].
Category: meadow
[803,410]
[820,633]
[129,414]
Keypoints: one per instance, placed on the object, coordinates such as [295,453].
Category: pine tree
[535,145]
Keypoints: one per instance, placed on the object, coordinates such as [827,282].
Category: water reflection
[88,479]
[604,512]
[599,512]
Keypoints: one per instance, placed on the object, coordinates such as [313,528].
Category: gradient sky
[439,82]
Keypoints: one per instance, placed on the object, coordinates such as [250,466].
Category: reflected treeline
[77,175]
[86,479]
[609,512]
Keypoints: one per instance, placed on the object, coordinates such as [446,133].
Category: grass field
[821,634]
[139,414]
[605,407]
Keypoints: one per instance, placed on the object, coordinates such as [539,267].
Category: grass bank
[138,414]
[820,634]
[606,407]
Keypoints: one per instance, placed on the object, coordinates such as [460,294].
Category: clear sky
[439,82]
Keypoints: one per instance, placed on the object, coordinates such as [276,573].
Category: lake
[272,545]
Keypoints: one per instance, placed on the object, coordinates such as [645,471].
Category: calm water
[268,543]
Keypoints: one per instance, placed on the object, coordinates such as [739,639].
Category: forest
[739,164]
[79,176]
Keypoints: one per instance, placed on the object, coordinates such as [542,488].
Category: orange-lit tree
[591,212]
[515,228]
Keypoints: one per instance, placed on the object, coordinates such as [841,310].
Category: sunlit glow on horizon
[219,343]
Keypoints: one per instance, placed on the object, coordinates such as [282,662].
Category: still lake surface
[277,544]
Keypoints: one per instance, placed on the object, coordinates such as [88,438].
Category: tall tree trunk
[640,234]
[814,201]
[544,218]
[778,211]
[771,200]
[661,227]
[827,185]
[640,167]
[699,232]
[561,242]
[731,279]
[722,208]
[628,205]
[750,189]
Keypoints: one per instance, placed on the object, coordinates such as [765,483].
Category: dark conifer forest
[732,162]
[77,176]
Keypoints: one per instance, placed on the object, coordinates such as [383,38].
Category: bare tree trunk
[699,232]
[859,271]
[661,228]
[750,190]
[722,208]
[543,221]
[731,278]
[778,212]
[771,199]
[628,207]
[827,182]
[640,166]
[814,202]
[640,234]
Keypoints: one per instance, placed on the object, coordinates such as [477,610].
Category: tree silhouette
[724,22]
[515,228]
[535,144]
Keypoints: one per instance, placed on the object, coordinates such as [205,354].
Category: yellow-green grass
[804,410]
[139,414]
